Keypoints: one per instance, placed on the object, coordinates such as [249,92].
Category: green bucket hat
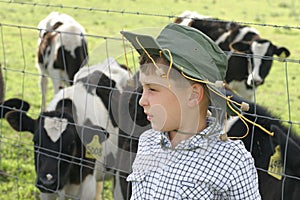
[192,52]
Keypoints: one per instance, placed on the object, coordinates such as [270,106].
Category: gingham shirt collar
[200,140]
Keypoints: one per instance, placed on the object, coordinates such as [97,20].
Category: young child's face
[163,100]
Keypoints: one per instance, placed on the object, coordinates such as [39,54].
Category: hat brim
[142,42]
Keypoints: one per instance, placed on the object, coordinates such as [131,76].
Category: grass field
[277,20]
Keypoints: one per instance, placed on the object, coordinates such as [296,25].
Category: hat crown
[193,52]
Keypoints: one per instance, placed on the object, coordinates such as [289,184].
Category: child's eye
[152,89]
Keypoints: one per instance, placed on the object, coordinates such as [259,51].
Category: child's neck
[178,136]
[182,134]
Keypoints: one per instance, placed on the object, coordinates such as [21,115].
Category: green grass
[18,49]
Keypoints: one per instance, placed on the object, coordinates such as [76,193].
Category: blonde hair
[146,66]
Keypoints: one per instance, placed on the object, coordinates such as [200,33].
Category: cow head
[257,56]
[59,153]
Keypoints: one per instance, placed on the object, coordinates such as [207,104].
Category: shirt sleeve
[244,181]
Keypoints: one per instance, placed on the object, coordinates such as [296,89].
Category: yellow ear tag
[94,148]
[275,165]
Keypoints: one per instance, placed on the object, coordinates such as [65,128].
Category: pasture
[277,20]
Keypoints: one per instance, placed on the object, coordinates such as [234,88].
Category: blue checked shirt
[202,167]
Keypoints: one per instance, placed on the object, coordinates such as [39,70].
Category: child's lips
[149,117]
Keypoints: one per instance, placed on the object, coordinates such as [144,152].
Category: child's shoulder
[232,149]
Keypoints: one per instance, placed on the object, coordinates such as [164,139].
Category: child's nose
[143,100]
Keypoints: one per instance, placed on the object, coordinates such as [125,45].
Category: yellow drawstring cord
[149,56]
[162,74]
[253,123]
[123,41]
[242,117]
[126,60]
[170,66]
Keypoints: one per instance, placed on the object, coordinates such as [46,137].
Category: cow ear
[279,135]
[56,25]
[20,121]
[13,103]
[101,132]
[66,105]
[240,47]
[87,133]
[282,52]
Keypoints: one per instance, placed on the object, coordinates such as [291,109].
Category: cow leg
[43,84]
[118,186]
[100,177]
[89,188]
[56,79]
[48,196]
[99,188]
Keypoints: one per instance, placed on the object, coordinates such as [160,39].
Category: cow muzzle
[254,82]
[47,180]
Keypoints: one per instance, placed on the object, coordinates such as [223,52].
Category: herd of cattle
[89,131]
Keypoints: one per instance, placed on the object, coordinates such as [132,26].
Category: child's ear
[196,95]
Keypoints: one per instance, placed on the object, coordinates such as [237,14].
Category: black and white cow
[250,57]
[95,97]
[91,102]
[62,50]
[62,166]
[95,94]
[261,145]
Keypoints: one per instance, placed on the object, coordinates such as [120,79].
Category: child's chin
[157,128]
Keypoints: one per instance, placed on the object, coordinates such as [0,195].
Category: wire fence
[18,57]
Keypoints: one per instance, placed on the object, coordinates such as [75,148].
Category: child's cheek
[159,117]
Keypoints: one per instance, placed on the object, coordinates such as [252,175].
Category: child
[185,155]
